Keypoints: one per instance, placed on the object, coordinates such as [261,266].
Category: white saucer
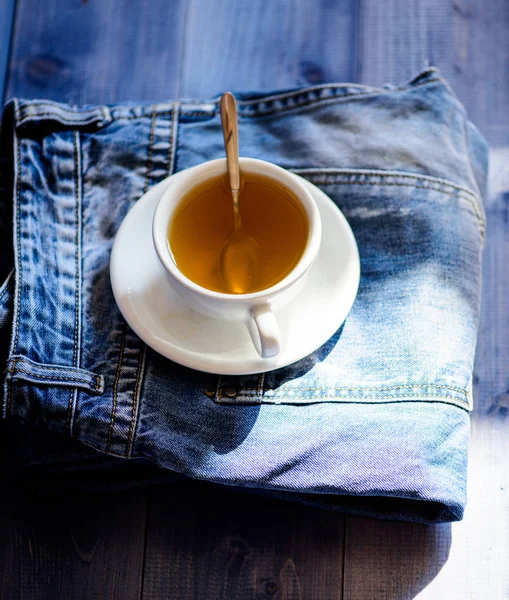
[165,323]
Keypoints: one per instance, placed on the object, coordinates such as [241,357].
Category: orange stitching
[218,387]
[77,276]
[137,386]
[261,380]
[115,385]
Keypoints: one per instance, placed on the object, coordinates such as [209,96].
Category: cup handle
[264,332]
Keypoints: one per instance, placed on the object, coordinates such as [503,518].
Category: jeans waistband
[249,104]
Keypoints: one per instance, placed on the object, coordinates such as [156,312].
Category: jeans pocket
[411,333]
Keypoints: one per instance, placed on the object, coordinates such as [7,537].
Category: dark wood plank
[97,52]
[7,8]
[203,542]
[393,561]
[259,45]
[79,546]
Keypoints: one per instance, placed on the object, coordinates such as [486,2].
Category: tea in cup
[192,226]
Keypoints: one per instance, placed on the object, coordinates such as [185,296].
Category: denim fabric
[377,420]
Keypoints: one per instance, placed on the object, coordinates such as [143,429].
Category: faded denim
[374,422]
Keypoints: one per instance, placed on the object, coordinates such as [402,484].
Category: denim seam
[470,201]
[328,86]
[137,387]
[77,294]
[366,89]
[200,113]
[60,119]
[381,396]
[105,114]
[150,144]
[382,389]
[170,145]
[388,399]
[251,394]
[22,372]
[326,101]
[59,106]
[29,362]
[20,365]
[337,172]
[218,388]
[115,387]
[261,381]
[422,187]
[165,113]
[24,359]
[172,150]
[260,113]
[249,104]
[467,152]
[7,284]
[17,266]
[374,400]
[143,347]
[315,101]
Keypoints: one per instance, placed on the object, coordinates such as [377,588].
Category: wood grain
[239,547]
[78,546]
[86,52]
[465,39]
[388,560]
[258,45]
[477,565]
[6,19]
[479,70]
[399,38]
[205,543]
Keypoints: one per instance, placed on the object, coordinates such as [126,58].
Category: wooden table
[192,541]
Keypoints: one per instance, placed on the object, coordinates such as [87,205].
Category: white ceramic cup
[255,309]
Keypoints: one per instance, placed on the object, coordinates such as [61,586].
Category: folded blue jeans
[377,420]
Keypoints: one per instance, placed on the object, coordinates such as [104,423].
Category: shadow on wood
[206,542]
[392,561]
[68,545]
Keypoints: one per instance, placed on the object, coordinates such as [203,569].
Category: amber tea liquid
[204,220]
